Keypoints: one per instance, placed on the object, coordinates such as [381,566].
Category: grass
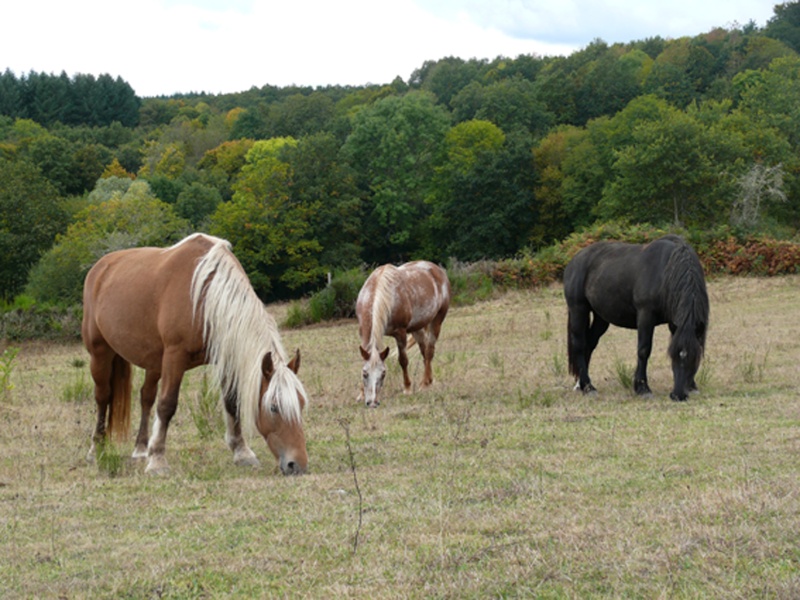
[499,481]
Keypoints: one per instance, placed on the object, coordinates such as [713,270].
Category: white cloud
[169,46]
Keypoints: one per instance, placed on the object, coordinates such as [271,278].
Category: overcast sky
[217,46]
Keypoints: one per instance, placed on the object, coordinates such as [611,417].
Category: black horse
[638,287]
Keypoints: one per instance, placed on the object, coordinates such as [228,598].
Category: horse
[638,286]
[169,310]
[397,301]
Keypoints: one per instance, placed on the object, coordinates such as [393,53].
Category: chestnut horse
[168,310]
[397,301]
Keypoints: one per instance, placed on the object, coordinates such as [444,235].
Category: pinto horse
[168,310]
[396,301]
[638,287]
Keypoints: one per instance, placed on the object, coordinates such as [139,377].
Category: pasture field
[499,481]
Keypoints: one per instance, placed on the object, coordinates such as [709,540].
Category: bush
[336,301]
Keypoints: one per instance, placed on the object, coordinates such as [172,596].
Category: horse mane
[382,303]
[685,293]
[236,326]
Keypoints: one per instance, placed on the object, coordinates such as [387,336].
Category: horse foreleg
[147,398]
[243,456]
[165,409]
[402,358]
[645,329]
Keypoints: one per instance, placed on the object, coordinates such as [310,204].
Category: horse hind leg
[100,365]
[402,358]
[426,343]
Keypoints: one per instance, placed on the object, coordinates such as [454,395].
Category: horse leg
[243,456]
[147,399]
[645,329]
[100,365]
[172,372]
[596,331]
[402,357]
[422,338]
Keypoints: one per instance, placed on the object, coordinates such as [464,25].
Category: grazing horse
[638,287]
[412,298]
[168,310]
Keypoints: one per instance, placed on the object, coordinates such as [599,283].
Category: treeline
[79,100]
[466,160]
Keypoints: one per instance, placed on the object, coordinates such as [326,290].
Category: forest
[466,160]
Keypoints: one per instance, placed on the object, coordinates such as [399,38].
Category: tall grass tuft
[206,411]
[624,373]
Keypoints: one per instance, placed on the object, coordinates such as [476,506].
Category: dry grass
[498,481]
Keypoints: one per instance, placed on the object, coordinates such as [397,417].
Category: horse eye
[273,408]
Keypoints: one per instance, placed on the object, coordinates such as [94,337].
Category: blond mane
[386,281]
[236,329]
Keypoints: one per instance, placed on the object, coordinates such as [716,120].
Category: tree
[325,184]
[485,207]
[127,220]
[270,231]
[31,214]
[395,147]
[672,171]
[510,104]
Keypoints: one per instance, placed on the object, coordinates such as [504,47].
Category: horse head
[372,375]
[686,352]
[279,414]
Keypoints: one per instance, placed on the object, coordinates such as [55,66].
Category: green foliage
[471,159]
[395,146]
[271,234]
[79,100]
[31,214]
[135,218]
[335,301]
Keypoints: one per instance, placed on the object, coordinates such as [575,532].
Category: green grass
[499,481]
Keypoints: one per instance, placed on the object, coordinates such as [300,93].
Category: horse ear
[294,364]
[385,353]
[267,368]
[364,353]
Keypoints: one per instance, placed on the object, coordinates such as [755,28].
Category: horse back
[137,301]
[617,281]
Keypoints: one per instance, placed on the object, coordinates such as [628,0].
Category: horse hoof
[156,466]
[676,398]
[139,454]
[247,461]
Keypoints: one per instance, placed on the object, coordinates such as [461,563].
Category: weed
[109,458]
[751,369]
[206,411]
[6,368]
[624,373]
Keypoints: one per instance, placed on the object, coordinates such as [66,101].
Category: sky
[164,47]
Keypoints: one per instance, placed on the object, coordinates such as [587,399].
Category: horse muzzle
[290,466]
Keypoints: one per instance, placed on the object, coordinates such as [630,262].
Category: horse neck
[383,300]
[685,289]
[236,329]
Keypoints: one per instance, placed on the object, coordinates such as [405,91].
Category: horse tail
[572,355]
[119,416]
[574,279]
